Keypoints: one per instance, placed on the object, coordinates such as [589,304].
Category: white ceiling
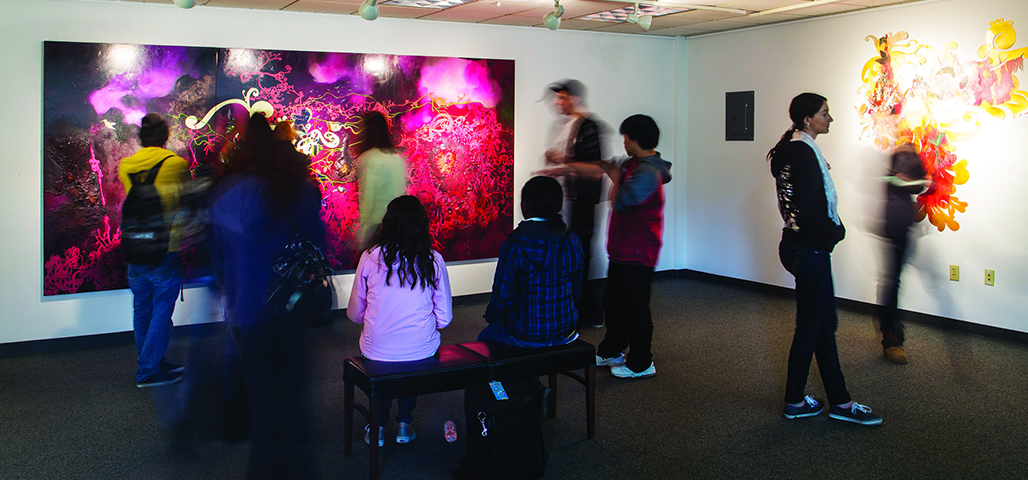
[530,12]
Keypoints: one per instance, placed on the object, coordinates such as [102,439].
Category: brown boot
[896,354]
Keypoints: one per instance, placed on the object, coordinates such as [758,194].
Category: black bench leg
[551,383]
[590,400]
[373,408]
[348,419]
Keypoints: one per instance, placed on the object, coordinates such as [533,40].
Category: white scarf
[830,195]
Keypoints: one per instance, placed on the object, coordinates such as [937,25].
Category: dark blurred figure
[906,178]
[265,198]
[577,156]
[381,173]
[156,286]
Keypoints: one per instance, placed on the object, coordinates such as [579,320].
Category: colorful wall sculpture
[917,94]
[453,117]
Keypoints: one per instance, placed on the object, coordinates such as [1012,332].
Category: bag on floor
[144,235]
[504,437]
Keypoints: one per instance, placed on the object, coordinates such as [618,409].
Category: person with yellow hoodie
[155,287]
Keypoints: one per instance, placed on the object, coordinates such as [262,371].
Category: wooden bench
[456,367]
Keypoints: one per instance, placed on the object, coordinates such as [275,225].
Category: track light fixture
[185,3]
[368,10]
[643,21]
[552,19]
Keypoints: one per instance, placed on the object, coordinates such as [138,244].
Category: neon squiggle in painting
[916,94]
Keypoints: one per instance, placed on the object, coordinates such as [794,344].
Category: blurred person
[156,287]
[634,239]
[807,202]
[381,173]
[577,156]
[906,178]
[401,294]
[538,275]
[265,199]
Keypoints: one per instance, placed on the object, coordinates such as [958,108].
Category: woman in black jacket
[807,202]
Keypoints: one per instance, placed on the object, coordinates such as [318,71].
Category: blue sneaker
[857,413]
[381,435]
[811,407]
[172,367]
[160,379]
[615,361]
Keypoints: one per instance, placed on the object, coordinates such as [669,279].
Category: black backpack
[504,437]
[144,235]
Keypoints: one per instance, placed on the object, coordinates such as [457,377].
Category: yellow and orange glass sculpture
[931,99]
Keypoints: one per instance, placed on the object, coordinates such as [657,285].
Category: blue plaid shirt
[538,280]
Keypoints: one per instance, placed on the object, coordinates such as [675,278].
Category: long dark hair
[406,241]
[803,105]
[276,162]
[374,133]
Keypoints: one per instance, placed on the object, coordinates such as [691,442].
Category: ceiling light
[552,19]
[642,21]
[368,9]
[185,3]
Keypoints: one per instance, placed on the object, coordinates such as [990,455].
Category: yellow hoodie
[170,183]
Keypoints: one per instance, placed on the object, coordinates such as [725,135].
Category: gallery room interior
[723,305]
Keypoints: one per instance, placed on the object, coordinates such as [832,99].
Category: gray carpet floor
[958,410]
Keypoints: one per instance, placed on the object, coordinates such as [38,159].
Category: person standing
[266,199]
[401,294]
[906,178]
[156,287]
[381,173]
[807,202]
[634,239]
[577,155]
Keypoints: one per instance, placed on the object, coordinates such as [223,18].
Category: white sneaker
[381,435]
[625,372]
[404,432]
[614,361]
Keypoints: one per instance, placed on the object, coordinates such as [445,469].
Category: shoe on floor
[381,435]
[172,367]
[623,371]
[160,379]
[896,354]
[857,413]
[614,361]
[404,432]
[811,407]
[590,325]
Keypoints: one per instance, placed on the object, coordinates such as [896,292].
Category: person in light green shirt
[381,173]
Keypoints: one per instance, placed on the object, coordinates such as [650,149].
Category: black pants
[888,290]
[629,323]
[583,223]
[272,357]
[816,321]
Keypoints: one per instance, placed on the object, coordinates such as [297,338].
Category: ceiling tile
[257,4]
[320,6]
[689,18]
[514,20]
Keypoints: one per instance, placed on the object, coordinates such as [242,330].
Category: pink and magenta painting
[453,118]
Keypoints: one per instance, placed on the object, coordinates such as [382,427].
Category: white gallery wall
[625,75]
[728,199]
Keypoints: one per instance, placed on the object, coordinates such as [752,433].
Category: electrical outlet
[990,277]
[954,273]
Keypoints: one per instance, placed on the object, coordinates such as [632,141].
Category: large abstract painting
[453,119]
[935,99]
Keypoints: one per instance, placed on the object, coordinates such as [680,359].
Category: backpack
[504,437]
[144,235]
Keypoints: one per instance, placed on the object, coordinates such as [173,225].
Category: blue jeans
[494,333]
[154,290]
[404,410]
[816,321]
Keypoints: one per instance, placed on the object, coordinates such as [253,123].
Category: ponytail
[786,138]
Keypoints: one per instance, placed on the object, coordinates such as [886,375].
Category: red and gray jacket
[637,222]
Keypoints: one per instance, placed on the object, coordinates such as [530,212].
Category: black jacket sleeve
[802,199]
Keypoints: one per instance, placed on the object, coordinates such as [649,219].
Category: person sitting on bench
[401,293]
[538,276]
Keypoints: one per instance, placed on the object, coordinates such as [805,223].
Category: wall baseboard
[33,347]
[944,323]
